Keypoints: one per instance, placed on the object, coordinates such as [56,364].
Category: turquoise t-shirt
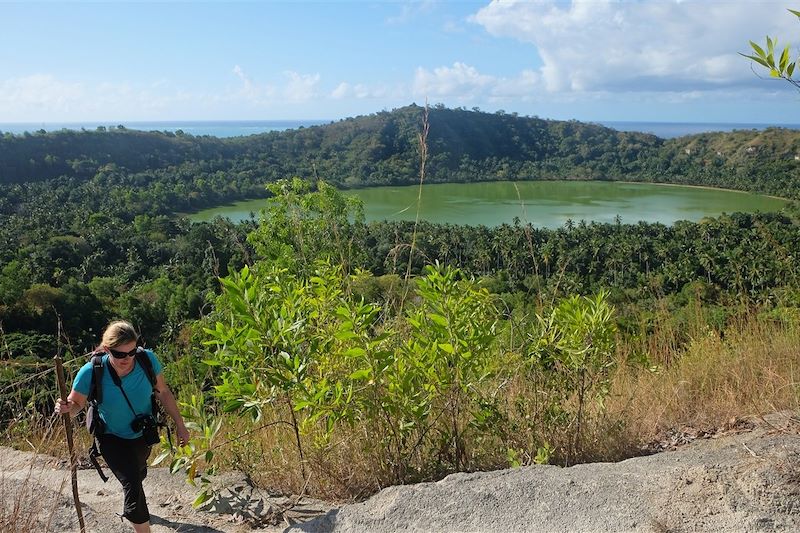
[114,410]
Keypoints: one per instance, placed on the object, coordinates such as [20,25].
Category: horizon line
[319,121]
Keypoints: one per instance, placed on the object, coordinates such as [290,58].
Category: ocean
[669,130]
[216,128]
[235,128]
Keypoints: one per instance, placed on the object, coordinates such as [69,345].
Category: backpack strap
[93,422]
[94,453]
[96,386]
[147,365]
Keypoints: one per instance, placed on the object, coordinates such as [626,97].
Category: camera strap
[118,382]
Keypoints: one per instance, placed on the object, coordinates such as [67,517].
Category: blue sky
[598,60]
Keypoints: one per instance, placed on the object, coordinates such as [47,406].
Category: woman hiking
[130,377]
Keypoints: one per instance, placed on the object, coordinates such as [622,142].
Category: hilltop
[382,149]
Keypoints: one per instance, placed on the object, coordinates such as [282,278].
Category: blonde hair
[118,333]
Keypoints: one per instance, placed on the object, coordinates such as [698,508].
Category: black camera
[149,428]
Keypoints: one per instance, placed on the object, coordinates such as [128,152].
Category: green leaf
[759,50]
[194,426]
[233,405]
[230,286]
[438,319]
[163,455]
[301,404]
[790,70]
[344,335]
[176,466]
[795,13]
[382,337]
[757,60]
[447,347]
[774,73]
[784,59]
[355,352]
[360,374]
[202,498]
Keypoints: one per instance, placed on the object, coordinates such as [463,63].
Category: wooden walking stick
[62,386]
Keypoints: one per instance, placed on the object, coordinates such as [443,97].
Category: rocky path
[36,495]
[740,481]
[736,481]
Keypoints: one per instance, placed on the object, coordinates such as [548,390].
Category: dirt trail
[735,481]
[37,490]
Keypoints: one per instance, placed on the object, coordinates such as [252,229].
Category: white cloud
[654,45]
[300,87]
[526,85]
[347,90]
[410,10]
[465,83]
[342,91]
[362,91]
[44,97]
[294,88]
[250,91]
[453,26]
[460,80]
[242,76]
[40,92]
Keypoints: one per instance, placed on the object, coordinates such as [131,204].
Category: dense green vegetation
[87,227]
[88,231]
[161,173]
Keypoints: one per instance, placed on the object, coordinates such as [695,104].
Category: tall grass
[23,506]
[750,368]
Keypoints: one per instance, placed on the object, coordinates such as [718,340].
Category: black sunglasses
[122,355]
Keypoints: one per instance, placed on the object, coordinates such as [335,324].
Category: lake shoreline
[707,187]
[545,203]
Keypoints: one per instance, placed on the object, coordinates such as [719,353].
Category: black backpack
[93,421]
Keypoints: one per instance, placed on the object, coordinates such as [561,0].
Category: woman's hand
[72,405]
[183,434]
[64,407]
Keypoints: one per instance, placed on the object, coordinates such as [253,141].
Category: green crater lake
[542,203]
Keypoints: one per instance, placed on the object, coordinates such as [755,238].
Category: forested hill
[374,149]
[41,156]
[382,148]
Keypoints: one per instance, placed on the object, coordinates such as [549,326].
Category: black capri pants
[127,459]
